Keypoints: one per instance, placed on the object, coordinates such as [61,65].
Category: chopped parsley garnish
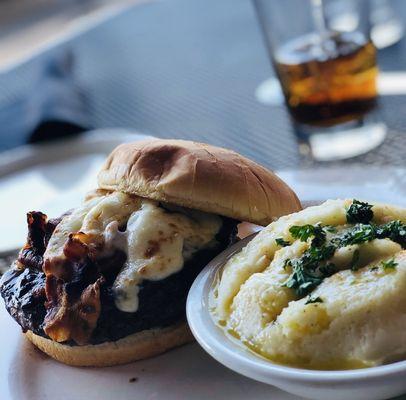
[313,266]
[314,255]
[390,264]
[311,300]
[394,230]
[281,242]
[307,272]
[360,233]
[354,261]
[328,269]
[302,281]
[359,212]
[306,231]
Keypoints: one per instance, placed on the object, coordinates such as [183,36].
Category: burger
[106,283]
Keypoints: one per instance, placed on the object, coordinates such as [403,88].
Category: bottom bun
[134,347]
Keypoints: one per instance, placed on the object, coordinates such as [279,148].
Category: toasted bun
[198,176]
[134,347]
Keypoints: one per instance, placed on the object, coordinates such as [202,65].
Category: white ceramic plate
[54,178]
[184,373]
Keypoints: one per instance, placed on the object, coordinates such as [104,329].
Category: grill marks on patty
[23,291]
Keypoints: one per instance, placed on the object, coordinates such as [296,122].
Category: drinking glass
[328,75]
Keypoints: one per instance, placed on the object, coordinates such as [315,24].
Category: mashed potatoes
[322,288]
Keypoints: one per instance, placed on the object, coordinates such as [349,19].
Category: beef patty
[161,303]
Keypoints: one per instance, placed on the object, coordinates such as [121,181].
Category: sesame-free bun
[198,176]
[134,347]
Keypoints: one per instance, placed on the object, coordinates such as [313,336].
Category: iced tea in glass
[328,77]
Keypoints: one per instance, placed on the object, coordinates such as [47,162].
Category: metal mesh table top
[189,69]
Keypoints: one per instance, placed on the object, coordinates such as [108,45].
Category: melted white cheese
[92,218]
[69,224]
[115,207]
[157,242]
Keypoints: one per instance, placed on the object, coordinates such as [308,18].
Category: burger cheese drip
[324,288]
[155,240]
[157,243]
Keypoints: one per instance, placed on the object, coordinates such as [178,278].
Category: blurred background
[170,68]
[192,69]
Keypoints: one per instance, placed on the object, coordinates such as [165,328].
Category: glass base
[340,142]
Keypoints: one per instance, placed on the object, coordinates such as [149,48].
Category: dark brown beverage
[328,81]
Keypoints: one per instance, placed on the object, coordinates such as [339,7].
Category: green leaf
[390,264]
[360,233]
[306,273]
[394,230]
[304,232]
[311,300]
[359,212]
[313,267]
[354,261]
[281,242]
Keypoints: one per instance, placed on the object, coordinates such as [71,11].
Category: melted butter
[327,365]
[296,362]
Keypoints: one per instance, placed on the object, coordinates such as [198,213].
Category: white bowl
[375,383]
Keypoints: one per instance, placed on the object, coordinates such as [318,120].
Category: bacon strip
[32,252]
[73,292]
[40,230]
[73,280]
[70,319]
